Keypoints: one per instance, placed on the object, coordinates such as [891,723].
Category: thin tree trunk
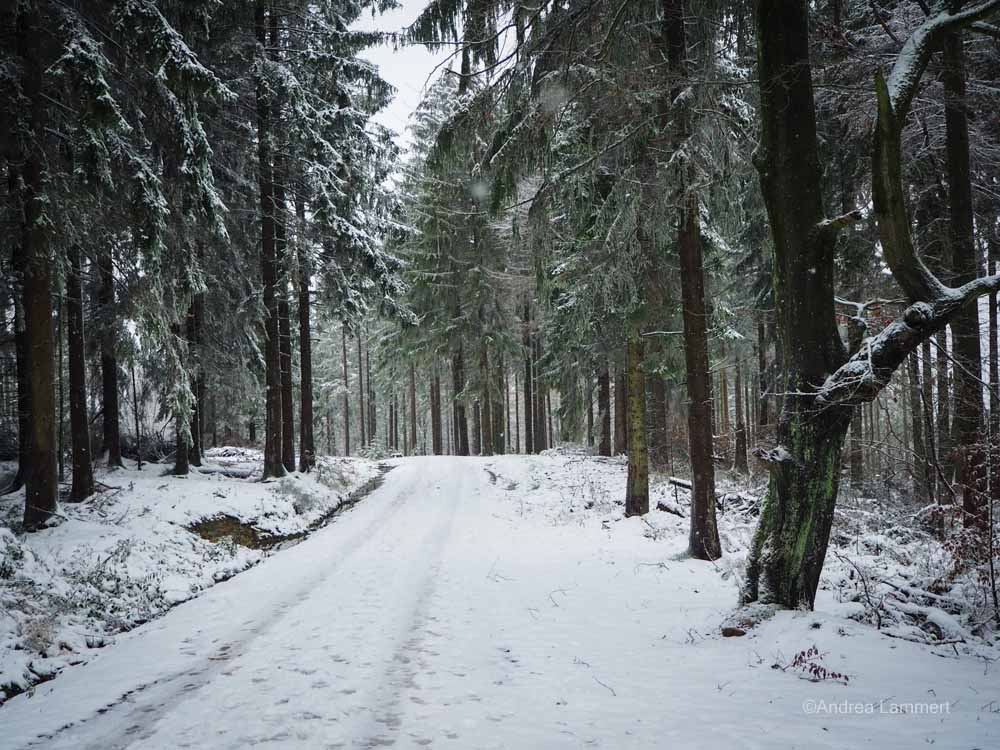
[497,410]
[273,466]
[181,453]
[943,410]
[194,354]
[740,460]
[111,445]
[517,416]
[637,487]
[413,408]
[485,405]
[135,414]
[540,388]
[437,436]
[763,415]
[347,392]
[461,432]
[362,412]
[589,385]
[917,430]
[658,412]
[621,408]
[83,470]
[604,408]
[307,440]
[529,377]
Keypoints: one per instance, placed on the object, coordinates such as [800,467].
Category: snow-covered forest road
[454,607]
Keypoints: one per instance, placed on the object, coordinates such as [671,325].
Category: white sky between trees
[408,69]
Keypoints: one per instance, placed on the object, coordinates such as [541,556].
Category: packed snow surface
[503,603]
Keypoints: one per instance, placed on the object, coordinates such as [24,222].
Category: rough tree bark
[703,542]
[968,420]
[789,547]
[273,466]
[42,488]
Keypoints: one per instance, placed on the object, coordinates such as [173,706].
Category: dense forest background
[711,236]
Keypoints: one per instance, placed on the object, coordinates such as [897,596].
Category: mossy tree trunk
[791,538]
[822,383]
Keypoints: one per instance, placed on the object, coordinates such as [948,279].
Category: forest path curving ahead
[484,603]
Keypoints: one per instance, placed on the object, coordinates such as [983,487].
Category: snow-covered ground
[126,556]
[505,603]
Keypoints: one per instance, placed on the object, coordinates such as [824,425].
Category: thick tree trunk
[971,460]
[41,480]
[637,487]
[604,409]
[347,392]
[789,546]
[83,470]
[273,466]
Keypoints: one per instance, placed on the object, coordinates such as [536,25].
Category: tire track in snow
[142,706]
